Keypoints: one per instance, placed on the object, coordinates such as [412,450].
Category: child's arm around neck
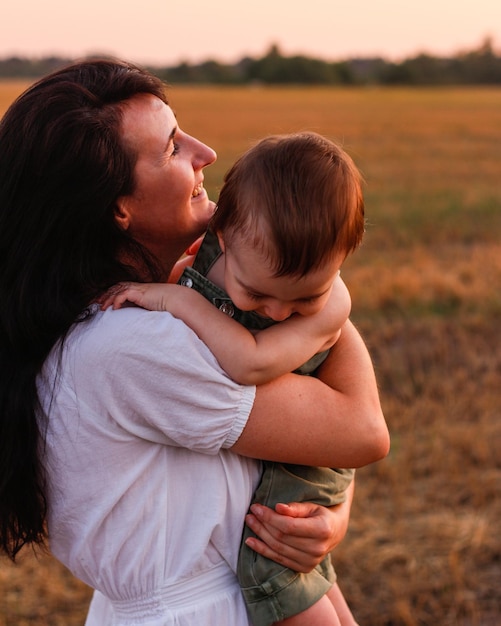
[248,359]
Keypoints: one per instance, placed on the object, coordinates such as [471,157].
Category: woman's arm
[300,419]
[247,358]
[333,422]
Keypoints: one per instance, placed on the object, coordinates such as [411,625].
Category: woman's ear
[122,213]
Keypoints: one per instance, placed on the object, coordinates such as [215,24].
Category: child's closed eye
[254,296]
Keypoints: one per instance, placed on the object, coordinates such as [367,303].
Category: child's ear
[221,241]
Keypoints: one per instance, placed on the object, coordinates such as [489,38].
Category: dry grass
[423,546]
[41,592]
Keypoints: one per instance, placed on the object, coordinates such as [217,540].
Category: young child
[291,209]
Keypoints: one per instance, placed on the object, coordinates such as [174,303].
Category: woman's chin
[204,207]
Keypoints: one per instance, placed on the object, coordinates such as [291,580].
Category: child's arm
[247,358]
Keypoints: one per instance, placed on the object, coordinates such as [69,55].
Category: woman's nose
[204,155]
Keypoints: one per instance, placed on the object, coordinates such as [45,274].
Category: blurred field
[424,546]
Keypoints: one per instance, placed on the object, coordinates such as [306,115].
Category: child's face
[250,283]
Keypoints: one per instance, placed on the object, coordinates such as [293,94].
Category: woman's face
[169,207]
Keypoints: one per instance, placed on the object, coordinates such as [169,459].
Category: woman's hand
[298,535]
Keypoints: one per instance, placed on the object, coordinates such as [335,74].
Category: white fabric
[144,497]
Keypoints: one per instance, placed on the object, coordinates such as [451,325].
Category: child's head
[297,198]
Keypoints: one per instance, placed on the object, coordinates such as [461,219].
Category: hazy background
[167,32]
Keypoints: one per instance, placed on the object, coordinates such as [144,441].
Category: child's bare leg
[322,613]
[341,607]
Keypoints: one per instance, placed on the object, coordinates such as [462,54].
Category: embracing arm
[334,420]
[300,535]
[247,358]
[300,419]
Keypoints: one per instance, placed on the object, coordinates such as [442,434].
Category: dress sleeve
[148,375]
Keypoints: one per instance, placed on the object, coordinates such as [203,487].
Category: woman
[119,429]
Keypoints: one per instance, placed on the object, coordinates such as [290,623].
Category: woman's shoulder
[128,321]
[131,331]
[133,364]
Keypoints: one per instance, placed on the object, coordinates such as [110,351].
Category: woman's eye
[175,149]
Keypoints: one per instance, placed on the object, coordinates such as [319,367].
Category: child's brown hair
[297,197]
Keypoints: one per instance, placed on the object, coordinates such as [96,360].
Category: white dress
[146,504]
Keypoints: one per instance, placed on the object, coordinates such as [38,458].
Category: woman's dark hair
[62,167]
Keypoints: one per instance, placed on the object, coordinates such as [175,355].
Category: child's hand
[151,296]
[186,261]
[195,246]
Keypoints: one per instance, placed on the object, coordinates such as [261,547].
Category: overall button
[186,282]
[227,308]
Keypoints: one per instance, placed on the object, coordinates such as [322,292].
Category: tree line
[481,66]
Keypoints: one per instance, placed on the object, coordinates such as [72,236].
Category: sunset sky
[169,31]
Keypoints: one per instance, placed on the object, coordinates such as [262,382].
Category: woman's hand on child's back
[339,303]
